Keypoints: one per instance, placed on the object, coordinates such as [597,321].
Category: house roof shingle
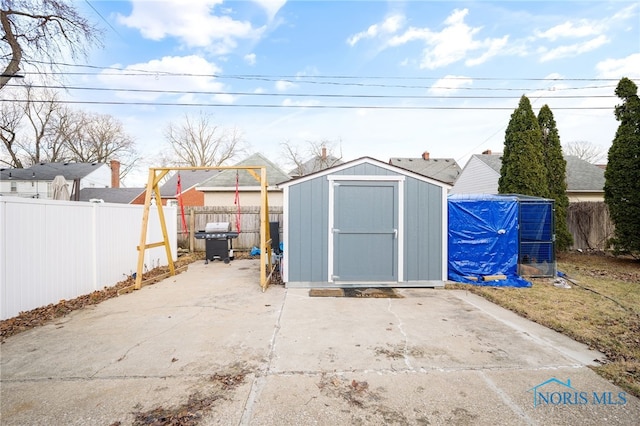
[315,164]
[581,175]
[188,179]
[111,195]
[48,171]
[443,169]
[227,178]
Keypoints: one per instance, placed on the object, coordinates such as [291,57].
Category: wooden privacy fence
[588,222]
[590,225]
[198,217]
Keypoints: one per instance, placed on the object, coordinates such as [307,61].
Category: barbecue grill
[217,236]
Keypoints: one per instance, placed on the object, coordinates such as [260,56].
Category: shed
[365,223]
[500,235]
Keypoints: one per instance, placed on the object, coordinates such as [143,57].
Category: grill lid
[217,227]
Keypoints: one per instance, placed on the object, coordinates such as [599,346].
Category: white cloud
[225,98]
[493,47]
[303,103]
[574,49]
[449,85]
[271,6]
[250,59]
[453,43]
[283,85]
[617,68]
[582,28]
[164,75]
[191,21]
[389,26]
[593,31]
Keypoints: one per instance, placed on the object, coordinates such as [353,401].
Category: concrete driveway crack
[405,350]
[261,375]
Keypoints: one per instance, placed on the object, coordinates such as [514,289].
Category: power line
[105,21]
[322,79]
[306,80]
[320,95]
[337,76]
[392,107]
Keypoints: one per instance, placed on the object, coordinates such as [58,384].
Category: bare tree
[11,114]
[42,111]
[37,127]
[197,142]
[315,156]
[39,32]
[37,120]
[92,137]
[584,150]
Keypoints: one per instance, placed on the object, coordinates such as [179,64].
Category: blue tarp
[483,239]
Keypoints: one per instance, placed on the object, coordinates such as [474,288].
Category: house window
[172,203]
[14,186]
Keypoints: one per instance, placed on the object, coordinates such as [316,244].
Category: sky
[372,78]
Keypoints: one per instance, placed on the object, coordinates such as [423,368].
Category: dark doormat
[384,293]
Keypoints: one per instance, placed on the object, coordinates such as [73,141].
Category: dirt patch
[218,387]
[354,392]
[187,414]
[358,394]
[231,377]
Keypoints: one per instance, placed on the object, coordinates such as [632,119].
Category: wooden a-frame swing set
[156,174]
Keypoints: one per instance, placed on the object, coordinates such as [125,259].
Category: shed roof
[361,160]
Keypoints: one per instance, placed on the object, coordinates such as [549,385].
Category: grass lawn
[601,309]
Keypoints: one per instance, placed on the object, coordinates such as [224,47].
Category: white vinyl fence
[53,250]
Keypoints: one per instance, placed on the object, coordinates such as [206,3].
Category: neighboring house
[585,181]
[365,223]
[36,181]
[316,164]
[111,195]
[443,169]
[189,180]
[220,190]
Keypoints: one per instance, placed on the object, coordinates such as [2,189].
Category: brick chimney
[324,153]
[115,174]
[425,155]
[487,152]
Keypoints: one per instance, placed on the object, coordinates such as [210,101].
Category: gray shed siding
[423,251]
[308,224]
[308,221]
